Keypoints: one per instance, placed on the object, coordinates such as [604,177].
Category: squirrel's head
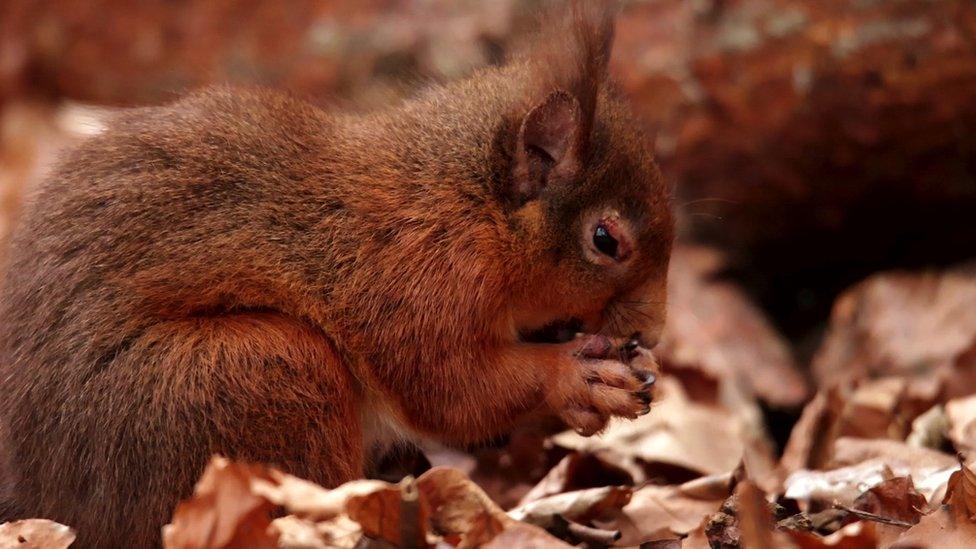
[584,194]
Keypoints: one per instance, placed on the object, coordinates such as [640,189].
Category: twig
[563,528]
[872,517]
[410,534]
[596,536]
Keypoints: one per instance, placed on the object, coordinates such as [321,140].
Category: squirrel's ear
[548,146]
[568,64]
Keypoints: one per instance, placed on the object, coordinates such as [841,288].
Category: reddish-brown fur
[242,273]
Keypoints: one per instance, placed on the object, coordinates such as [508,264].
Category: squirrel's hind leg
[256,387]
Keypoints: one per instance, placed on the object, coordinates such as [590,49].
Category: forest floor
[867,447]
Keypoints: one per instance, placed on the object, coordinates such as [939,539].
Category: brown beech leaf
[35,534]
[848,451]
[929,430]
[929,469]
[702,439]
[224,511]
[297,533]
[586,470]
[902,324]
[578,506]
[459,507]
[397,514]
[941,529]
[866,410]
[873,410]
[842,485]
[657,512]
[309,500]
[754,518]
[524,535]
[952,525]
[714,329]
[961,491]
[894,499]
[698,538]
[812,438]
[467,517]
[745,520]
[316,512]
[857,535]
[961,416]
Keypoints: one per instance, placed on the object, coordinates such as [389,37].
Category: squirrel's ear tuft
[584,72]
[568,62]
[548,146]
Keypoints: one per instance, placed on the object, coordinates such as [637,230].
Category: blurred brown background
[811,142]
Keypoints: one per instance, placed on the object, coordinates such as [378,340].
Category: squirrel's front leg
[595,380]
[585,382]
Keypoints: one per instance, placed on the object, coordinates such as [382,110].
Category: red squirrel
[242,273]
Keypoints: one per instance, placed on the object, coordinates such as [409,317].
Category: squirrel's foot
[601,385]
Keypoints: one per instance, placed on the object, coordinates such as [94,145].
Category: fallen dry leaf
[579,470]
[701,439]
[845,484]
[713,328]
[929,469]
[849,450]
[232,503]
[35,534]
[950,526]
[941,529]
[882,408]
[524,535]
[467,517]
[698,539]
[295,533]
[754,519]
[812,438]
[397,514]
[224,511]
[578,506]
[961,416]
[309,500]
[657,512]
[318,516]
[857,535]
[900,323]
[459,508]
[929,430]
[895,499]
[872,410]
[961,492]
[842,485]
[746,519]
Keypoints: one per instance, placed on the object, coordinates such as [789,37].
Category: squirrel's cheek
[592,322]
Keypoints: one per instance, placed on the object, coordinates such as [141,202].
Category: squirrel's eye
[604,242]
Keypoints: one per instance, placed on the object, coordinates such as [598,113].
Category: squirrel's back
[240,272]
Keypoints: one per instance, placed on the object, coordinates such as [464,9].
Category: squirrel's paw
[601,385]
